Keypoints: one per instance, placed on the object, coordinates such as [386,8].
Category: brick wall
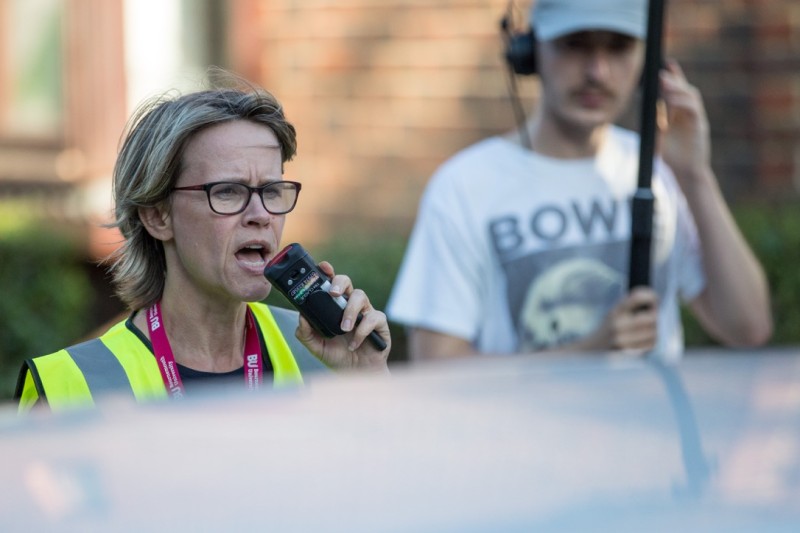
[743,55]
[383,91]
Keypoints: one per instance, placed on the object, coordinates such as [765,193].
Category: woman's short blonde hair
[149,163]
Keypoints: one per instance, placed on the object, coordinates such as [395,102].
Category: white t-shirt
[517,252]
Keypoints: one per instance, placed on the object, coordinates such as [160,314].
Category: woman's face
[223,256]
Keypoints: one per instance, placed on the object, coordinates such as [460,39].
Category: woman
[201,201]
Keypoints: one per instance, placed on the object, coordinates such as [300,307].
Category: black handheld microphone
[296,275]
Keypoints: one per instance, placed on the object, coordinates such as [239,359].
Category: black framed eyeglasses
[231,198]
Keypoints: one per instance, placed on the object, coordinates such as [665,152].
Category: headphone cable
[511,79]
[516,104]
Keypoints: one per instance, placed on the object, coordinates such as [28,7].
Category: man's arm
[631,325]
[428,345]
[735,306]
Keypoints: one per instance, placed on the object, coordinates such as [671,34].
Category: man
[522,242]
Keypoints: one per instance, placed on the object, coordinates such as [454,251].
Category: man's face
[223,256]
[588,77]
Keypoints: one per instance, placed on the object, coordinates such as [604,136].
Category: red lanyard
[253,363]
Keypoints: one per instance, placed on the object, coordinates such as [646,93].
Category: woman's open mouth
[253,257]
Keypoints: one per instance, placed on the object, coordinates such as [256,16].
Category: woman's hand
[353,349]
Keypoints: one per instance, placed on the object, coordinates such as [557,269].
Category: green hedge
[46,294]
[773,231]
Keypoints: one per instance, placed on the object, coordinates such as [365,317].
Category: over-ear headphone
[520,52]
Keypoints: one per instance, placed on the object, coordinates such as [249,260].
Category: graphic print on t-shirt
[565,267]
[565,293]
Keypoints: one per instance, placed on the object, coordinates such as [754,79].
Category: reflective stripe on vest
[100,368]
[119,360]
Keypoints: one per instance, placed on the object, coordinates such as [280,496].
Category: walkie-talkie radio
[296,275]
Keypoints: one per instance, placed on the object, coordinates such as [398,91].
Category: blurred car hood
[600,442]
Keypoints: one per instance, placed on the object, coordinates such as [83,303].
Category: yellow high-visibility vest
[121,360]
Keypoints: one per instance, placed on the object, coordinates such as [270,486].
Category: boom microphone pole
[643,199]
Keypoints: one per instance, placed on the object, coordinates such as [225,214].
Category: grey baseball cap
[551,19]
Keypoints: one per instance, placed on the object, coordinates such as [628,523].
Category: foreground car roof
[594,442]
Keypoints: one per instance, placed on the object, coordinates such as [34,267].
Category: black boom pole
[643,199]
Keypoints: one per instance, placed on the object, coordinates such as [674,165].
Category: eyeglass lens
[232,198]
